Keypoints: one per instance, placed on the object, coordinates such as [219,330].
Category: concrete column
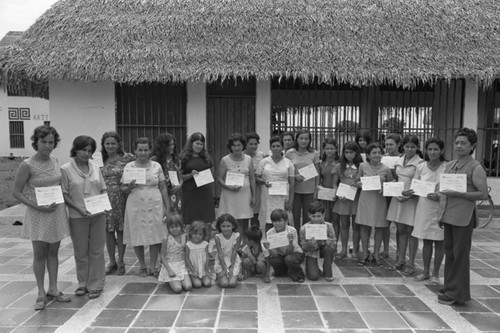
[263,113]
[470,104]
[196,109]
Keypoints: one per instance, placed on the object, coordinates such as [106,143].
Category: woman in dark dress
[197,202]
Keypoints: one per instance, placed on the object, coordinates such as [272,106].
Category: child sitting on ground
[254,255]
[321,246]
[228,241]
[197,255]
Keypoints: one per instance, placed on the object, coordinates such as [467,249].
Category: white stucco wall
[263,113]
[38,113]
[78,108]
[196,109]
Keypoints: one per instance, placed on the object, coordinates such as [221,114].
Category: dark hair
[439,142]
[365,134]
[114,135]
[187,152]
[252,135]
[226,218]
[173,220]
[253,233]
[369,149]
[470,134]
[142,140]
[393,136]
[41,132]
[315,207]
[288,133]
[299,133]
[196,227]
[81,142]
[274,139]
[236,137]
[410,138]
[350,145]
[330,141]
[160,149]
[279,214]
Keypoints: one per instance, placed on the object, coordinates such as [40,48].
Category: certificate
[235,179]
[308,172]
[453,182]
[370,183]
[278,188]
[46,196]
[279,239]
[347,191]
[139,174]
[97,159]
[393,189]
[422,187]
[97,203]
[390,161]
[203,177]
[325,193]
[316,231]
[174,180]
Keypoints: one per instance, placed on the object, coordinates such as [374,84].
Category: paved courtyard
[360,299]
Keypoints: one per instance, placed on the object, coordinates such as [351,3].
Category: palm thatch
[361,42]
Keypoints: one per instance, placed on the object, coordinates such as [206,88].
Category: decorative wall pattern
[19,113]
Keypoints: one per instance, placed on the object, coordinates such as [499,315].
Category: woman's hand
[288,205]
[299,178]
[47,209]
[131,186]
[451,193]
[268,184]
[175,189]
[433,196]
[402,199]
[171,273]
[408,193]
[84,212]
[357,184]
[234,188]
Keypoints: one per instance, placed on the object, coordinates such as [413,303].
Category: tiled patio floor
[361,299]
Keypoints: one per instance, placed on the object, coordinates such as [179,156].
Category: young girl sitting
[173,269]
[255,255]
[197,255]
[228,241]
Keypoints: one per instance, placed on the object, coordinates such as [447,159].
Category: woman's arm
[234,253]
[291,192]
[22,177]
[251,177]
[220,254]
[479,181]
[67,198]
[207,264]
[189,264]
[164,195]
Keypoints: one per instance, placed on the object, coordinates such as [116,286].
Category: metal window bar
[16,132]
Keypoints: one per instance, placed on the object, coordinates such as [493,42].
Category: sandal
[364,262]
[340,256]
[110,270]
[383,255]
[94,294]
[40,303]
[397,267]
[408,271]
[60,297]
[143,272]
[422,277]
[120,270]
[435,280]
[81,291]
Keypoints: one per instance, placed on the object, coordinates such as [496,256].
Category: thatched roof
[361,42]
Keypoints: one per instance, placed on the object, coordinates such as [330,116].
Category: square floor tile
[386,320]
[483,321]
[383,272]
[492,303]
[51,317]
[12,300]
[334,304]
[237,303]
[394,290]
[156,319]
[424,320]
[361,290]
[297,303]
[344,320]
[104,330]
[369,303]
[228,330]
[13,269]
[164,302]
[201,302]
[246,289]
[128,302]
[37,329]
[484,255]
[470,306]
[76,303]
[487,273]
[408,304]
[476,263]
[293,290]
[483,291]
[496,287]
[138,288]
[14,317]
[192,318]
[164,289]
[301,320]
[328,290]
[18,287]
[187,330]
[213,290]
[238,319]
[354,272]
[115,318]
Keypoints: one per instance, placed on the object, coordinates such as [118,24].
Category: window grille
[16,132]
[488,150]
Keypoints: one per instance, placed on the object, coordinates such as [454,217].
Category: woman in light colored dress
[44,225]
[253,140]
[228,242]
[329,159]
[274,168]
[428,210]
[197,255]
[114,159]
[402,208]
[146,206]
[372,206]
[234,199]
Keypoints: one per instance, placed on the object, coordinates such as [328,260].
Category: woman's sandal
[340,256]
[435,280]
[120,270]
[60,297]
[143,272]
[422,277]
[40,303]
[81,291]
[94,294]
[111,269]
[408,271]
[397,266]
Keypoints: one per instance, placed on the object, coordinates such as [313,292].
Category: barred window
[16,131]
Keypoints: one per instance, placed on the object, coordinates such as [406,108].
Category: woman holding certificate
[459,218]
[237,180]
[402,208]
[147,204]
[306,162]
[114,160]
[44,225]
[81,179]
[372,206]
[276,174]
